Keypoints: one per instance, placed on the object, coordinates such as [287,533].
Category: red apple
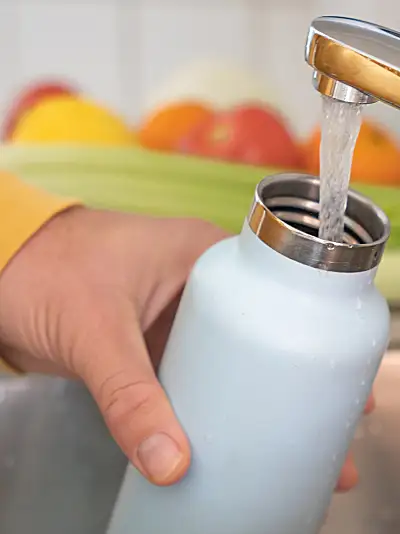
[29,98]
[249,134]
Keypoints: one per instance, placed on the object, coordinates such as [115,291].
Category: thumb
[119,374]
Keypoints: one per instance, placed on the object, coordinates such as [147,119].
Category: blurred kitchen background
[126,52]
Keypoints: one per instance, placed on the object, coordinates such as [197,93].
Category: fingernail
[160,457]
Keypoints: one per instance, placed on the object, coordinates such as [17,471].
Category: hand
[93,295]
[349,476]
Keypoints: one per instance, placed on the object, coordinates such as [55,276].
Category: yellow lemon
[70,119]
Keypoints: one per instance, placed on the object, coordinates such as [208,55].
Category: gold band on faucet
[335,49]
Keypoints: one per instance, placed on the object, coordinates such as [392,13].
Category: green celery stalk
[136,180]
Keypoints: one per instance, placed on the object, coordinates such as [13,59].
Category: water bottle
[270,361]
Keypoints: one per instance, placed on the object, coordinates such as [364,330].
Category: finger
[157,335]
[121,378]
[371,404]
[349,476]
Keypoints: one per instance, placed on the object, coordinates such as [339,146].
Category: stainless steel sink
[60,471]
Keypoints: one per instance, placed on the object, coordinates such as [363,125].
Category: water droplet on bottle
[359,304]
[357,401]
[348,425]
[374,343]
[333,364]
[363,383]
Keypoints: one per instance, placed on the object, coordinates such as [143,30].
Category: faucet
[354,61]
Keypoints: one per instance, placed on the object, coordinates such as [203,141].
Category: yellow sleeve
[5,368]
[23,210]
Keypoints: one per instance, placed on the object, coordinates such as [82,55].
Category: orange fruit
[163,129]
[376,158]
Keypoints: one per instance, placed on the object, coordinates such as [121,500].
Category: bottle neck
[285,215]
[290,272]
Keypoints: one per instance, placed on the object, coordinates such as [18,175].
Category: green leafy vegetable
[136,180]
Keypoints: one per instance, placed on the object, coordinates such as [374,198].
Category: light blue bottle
[271,359]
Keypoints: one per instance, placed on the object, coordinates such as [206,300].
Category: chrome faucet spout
[354,61]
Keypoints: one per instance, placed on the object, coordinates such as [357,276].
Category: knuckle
[121,398]
[211,233]
[204,227]
[206,234]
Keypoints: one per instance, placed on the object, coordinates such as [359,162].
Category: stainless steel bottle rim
[285,216]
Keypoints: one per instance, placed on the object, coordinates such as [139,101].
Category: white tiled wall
[120,51]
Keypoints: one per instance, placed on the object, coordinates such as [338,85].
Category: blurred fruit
[376,156]
[248,134]
[163,129]
[217,83]
[68,119]
[28,99]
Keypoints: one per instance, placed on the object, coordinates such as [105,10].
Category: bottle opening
[303,215]
[285,215]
